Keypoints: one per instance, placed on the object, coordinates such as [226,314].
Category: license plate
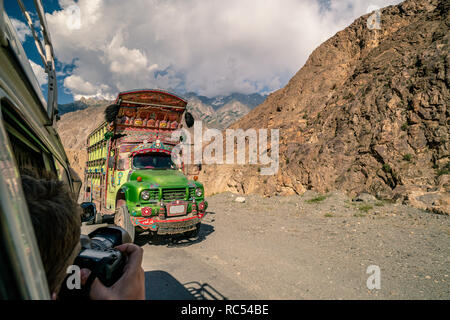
[177,209]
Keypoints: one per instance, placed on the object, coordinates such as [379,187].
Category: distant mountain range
[216,112]
[250,100]
[81,104]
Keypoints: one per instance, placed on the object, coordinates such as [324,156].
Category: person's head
[56,220]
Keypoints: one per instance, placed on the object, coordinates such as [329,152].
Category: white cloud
[83,88]
[210,47]
[39,72]
[123,60]
[22,29]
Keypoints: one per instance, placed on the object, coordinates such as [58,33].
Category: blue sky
[13,10]
[211,47]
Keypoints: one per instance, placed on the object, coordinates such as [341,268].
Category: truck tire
[122,219]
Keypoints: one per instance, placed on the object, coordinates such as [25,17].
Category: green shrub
[317,199]
[366,208]
[407,157]
[444,170]
[349,96]
[387,168]
[404,126]
[410,105]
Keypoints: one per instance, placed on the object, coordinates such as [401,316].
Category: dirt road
[303,247]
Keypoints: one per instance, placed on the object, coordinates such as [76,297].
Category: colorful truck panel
[130,172]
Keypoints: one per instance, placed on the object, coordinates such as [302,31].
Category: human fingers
[134,253]
[84,275]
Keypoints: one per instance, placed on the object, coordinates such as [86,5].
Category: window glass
[62,173]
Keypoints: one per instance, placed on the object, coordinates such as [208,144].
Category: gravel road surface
[302,247]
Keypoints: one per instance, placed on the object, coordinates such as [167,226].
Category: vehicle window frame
[18,240]
[157,168]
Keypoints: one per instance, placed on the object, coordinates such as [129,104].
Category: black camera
[99,256]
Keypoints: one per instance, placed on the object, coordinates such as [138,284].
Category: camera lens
[101,243]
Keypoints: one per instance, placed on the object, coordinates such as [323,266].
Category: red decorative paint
[146,211]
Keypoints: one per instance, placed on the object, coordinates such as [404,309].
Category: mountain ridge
[368,112]
[216,112]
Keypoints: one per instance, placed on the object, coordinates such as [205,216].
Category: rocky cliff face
[74,127]
[368,112]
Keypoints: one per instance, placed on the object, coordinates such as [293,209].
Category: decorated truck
[131,176]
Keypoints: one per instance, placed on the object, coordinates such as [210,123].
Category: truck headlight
[198,192]
[145,195]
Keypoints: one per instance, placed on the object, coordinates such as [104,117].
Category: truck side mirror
[189,119]
[89,211]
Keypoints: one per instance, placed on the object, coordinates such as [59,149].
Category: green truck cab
[132,174]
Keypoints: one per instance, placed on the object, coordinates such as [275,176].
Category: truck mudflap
[167,226]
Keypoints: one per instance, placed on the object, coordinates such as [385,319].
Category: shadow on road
[160,285]
[172,241]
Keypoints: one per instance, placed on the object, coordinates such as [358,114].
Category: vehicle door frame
[27,279]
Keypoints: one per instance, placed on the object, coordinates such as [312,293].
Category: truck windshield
[153,161]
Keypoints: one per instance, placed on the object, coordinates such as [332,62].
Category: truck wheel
[193,233]
[122,219]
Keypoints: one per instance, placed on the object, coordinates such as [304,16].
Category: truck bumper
[167,226]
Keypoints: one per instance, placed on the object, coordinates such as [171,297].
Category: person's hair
[56,220]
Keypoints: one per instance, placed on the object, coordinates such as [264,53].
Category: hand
[130,286]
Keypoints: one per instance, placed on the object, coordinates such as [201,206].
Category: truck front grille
[154,194]
[191,192]
[174,194]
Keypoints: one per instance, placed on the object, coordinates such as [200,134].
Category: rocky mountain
[221,111]
[368,112]
[74,127]
[81,104]
[221,117]
[250,100]
[71,107]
